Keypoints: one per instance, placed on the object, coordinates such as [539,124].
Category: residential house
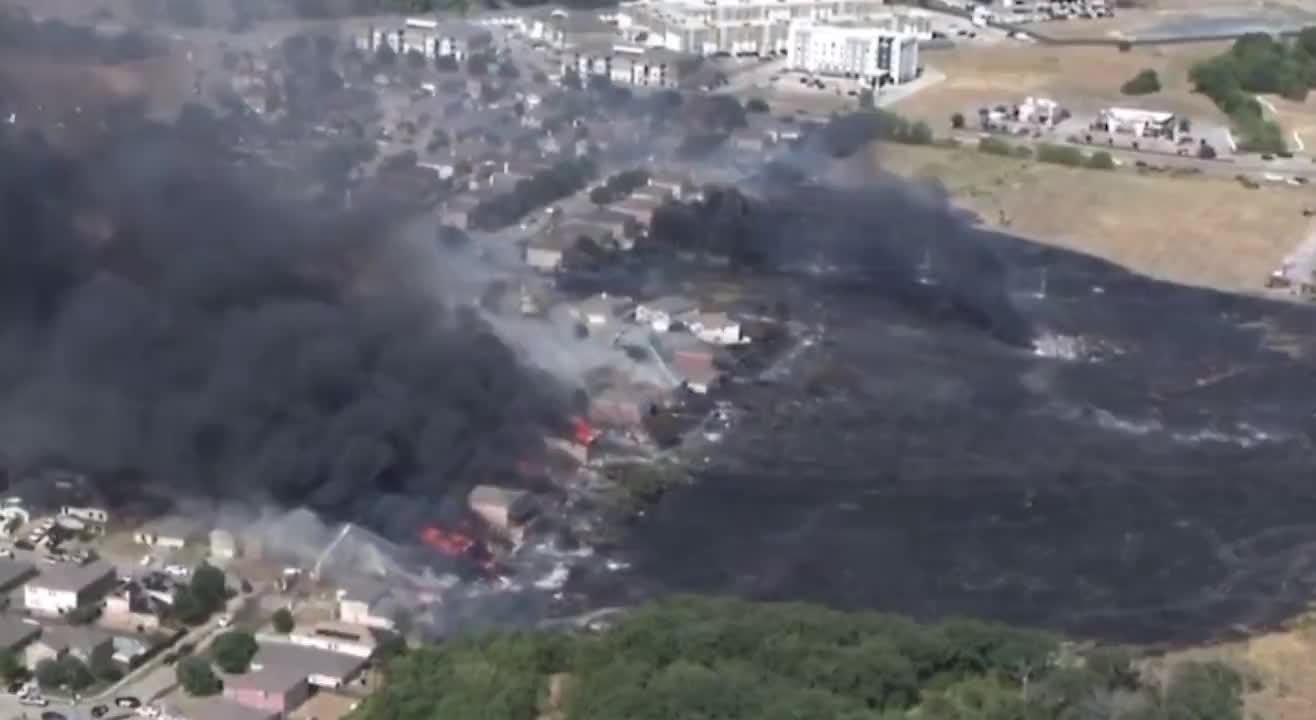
[79,641]
[337,637]
[132,607]
[325,706]
[268,688]
[638,207]
[367,602]
[16,633]
[663,312]
[90,515]
[699,380]
[678,187]
[749,140]
[13,573]
[547,252]
[624,405]
[456,211]
[318,668]
[171,533]
[65,587]
[686,352]
[223,545]
[505,510]
[128,649]
[224,709]
[601,309]
[716,328]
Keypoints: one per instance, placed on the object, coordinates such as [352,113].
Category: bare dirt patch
[1195,230]
[1083,79]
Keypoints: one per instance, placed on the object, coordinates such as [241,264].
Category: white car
[146,560]
[36,700]
[177,571]
[225,621]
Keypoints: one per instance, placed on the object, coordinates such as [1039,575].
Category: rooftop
[496,496]
[324,706]
[13,572]
[80,638]
[272,678]
[73,578]
[15,631]
[220,709]
[307,661]
[338,629]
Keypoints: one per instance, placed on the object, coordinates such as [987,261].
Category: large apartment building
[705,27]
[875,54]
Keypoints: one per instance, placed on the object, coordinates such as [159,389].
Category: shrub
[196,677]
[757,105]
[1125,46]
[1145,82]
[1060,155]
[994,146]
[957,121]
[233,651]
[1101,160]
[283,621]
[1206,152]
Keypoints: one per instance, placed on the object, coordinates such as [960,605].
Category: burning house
[505,510]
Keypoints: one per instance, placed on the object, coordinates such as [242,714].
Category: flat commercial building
[873,54]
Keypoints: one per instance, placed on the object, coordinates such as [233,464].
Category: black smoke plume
[166,318]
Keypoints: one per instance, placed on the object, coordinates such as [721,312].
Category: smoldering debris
[226,342]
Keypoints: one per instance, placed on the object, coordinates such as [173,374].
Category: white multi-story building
[427,37]
[706,27]
[873,54]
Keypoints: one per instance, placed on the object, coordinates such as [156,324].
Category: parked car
[99,711]
[127,701]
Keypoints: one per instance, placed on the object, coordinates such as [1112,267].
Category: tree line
[540,190]
[694,657]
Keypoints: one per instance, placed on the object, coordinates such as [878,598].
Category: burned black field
[1157,487]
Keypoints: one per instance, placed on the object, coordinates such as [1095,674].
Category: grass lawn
[1083,79]
[1194,230]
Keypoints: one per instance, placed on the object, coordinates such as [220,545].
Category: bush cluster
[1145,82]
[729,659]
[1258,64]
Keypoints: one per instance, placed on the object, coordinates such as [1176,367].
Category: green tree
[103,666]
[187,609]
[50,673]
[196,677]
[77,676]
[11,668]
[209,587]
[757,105]
[1145,82]
[283,621]
[957,121]
[233,651]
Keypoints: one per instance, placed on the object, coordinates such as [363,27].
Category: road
[1245,164]
[146,683]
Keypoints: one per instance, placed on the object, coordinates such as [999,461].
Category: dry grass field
[1278,665]
[1081,78]
[1194,230]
